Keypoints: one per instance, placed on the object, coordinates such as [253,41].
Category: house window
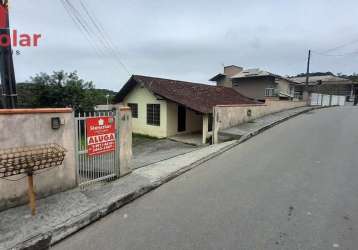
[134,108]
[153,114]
[269,92]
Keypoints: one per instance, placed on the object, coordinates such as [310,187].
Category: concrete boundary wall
[327,100]
[32,127]
[226,116]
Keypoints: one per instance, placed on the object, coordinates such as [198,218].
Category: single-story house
[163,107]
[256,83]
[326,84]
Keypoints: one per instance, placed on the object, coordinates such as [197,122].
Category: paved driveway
[147,150]
[293,187]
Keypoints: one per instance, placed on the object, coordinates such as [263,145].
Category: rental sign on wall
[101,137]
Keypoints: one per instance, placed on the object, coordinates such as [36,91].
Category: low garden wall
[226,116]
[33,127]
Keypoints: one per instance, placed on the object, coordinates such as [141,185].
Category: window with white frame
[153,114]
[269,92]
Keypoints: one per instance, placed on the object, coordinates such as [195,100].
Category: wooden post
[31,193]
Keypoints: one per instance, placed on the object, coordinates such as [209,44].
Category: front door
[181,118]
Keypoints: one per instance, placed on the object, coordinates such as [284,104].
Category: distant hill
[315,74]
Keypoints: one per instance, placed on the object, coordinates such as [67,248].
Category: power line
[341,46]
[335,55]
[82,28]
[84,23]
[101,31]
[95,34]
[102,41]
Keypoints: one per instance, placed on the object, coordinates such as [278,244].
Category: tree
[315,74]
[60,89]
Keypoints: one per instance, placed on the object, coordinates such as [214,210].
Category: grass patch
[142,136]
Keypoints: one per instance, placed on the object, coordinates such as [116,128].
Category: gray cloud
[188,40]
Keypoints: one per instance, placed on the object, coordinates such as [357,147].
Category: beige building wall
[142,97]
[232,70]
[172,118]
[31,128]
[194,121]
[224,82]
[253,88]
[284,86]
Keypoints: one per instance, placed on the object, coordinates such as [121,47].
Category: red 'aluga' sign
[101,136]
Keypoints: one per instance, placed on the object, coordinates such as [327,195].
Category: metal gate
[95,168]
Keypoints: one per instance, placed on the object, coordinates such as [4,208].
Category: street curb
[62,231]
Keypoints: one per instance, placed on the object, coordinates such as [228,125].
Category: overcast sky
[188,39]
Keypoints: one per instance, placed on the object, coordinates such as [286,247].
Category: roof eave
[127,87]
[217,77]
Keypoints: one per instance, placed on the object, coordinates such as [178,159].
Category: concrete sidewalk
[249,129]
[63,214]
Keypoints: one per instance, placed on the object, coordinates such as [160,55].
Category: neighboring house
[326,84]
[255,83]
[163,107]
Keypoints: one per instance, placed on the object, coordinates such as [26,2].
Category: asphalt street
[295,186]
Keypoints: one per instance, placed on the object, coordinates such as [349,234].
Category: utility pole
[306,96]
[308,67]
[107,97]
[7,74]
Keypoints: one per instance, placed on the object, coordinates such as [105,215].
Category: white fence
[327,100]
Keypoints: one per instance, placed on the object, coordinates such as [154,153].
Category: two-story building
[256,83]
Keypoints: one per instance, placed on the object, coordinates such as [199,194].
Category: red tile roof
[198,97]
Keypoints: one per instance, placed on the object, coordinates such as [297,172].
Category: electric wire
[93,31]
[102,32]
[82,29]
